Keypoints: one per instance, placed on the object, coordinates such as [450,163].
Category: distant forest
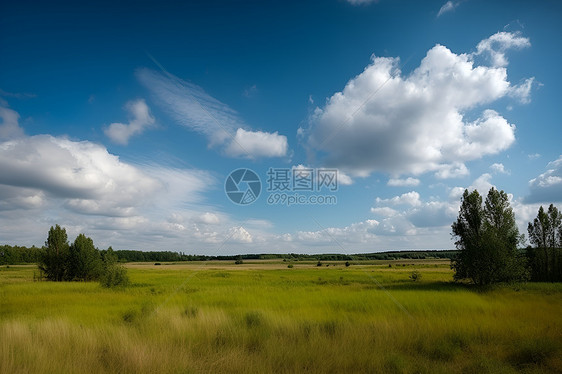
[11,255]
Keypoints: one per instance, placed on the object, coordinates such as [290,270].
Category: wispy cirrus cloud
[190,106]
[449,6]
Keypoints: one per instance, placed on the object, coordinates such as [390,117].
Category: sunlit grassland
[263,317]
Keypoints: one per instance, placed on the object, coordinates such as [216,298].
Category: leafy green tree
[84,260]
[545,234]
[54,257]
[113,274]
[487,239]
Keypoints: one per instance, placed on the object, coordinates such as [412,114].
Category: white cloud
[384,121]
[447,7]
[254,144]
[190,106]
[547,187]
[534,156]
[9,127]
[522,92]
[240,235]
[499,168]
[90,179]
[407,182]
[496,46]
[454,170]
[140,120]
[384,211]
[409,198]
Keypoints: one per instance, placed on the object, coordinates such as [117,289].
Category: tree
[53,258]
[545,234]
[84,260]
[487,239]
[113,274]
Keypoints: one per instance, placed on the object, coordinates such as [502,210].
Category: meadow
[261,317]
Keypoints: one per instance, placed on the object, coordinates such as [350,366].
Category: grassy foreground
[264,317]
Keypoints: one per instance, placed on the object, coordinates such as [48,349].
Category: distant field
[261,316]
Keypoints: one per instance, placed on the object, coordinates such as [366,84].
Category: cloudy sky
[124,121]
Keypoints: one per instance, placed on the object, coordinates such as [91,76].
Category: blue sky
[123,121]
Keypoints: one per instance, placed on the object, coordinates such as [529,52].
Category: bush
[319,263]
[415,276]
[347,264]
[290,266]
[114,275]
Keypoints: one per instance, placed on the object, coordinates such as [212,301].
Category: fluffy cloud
[79,184]
[190,106]
[384,121]
[496,45]
[9,127]
[257,144]
[140,120]
[409,198]
[90,179]
[547,187]
[407,182]
[499,168]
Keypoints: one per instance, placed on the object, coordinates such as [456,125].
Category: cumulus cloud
[140,120]
[547,187]
[192,107]
[496,45]
[9,127]
[498,168]
[384,121]
[407,182]
[252,144]
[409,198]
[87,179]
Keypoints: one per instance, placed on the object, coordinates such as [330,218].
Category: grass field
[262,317]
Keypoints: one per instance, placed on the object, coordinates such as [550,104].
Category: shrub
[347,264]
[114,275]
[415,276]
[290,266]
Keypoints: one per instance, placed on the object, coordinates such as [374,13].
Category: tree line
[21,255]
[489,242]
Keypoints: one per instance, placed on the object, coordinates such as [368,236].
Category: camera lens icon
[242,186]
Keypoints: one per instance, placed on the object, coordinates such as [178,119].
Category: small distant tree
[545,235]
[487,239]
[113,273]
[54,256]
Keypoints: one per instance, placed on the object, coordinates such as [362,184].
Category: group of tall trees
[545,234]
[81,260]
[488,242]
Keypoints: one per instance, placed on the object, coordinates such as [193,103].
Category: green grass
[263,317]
